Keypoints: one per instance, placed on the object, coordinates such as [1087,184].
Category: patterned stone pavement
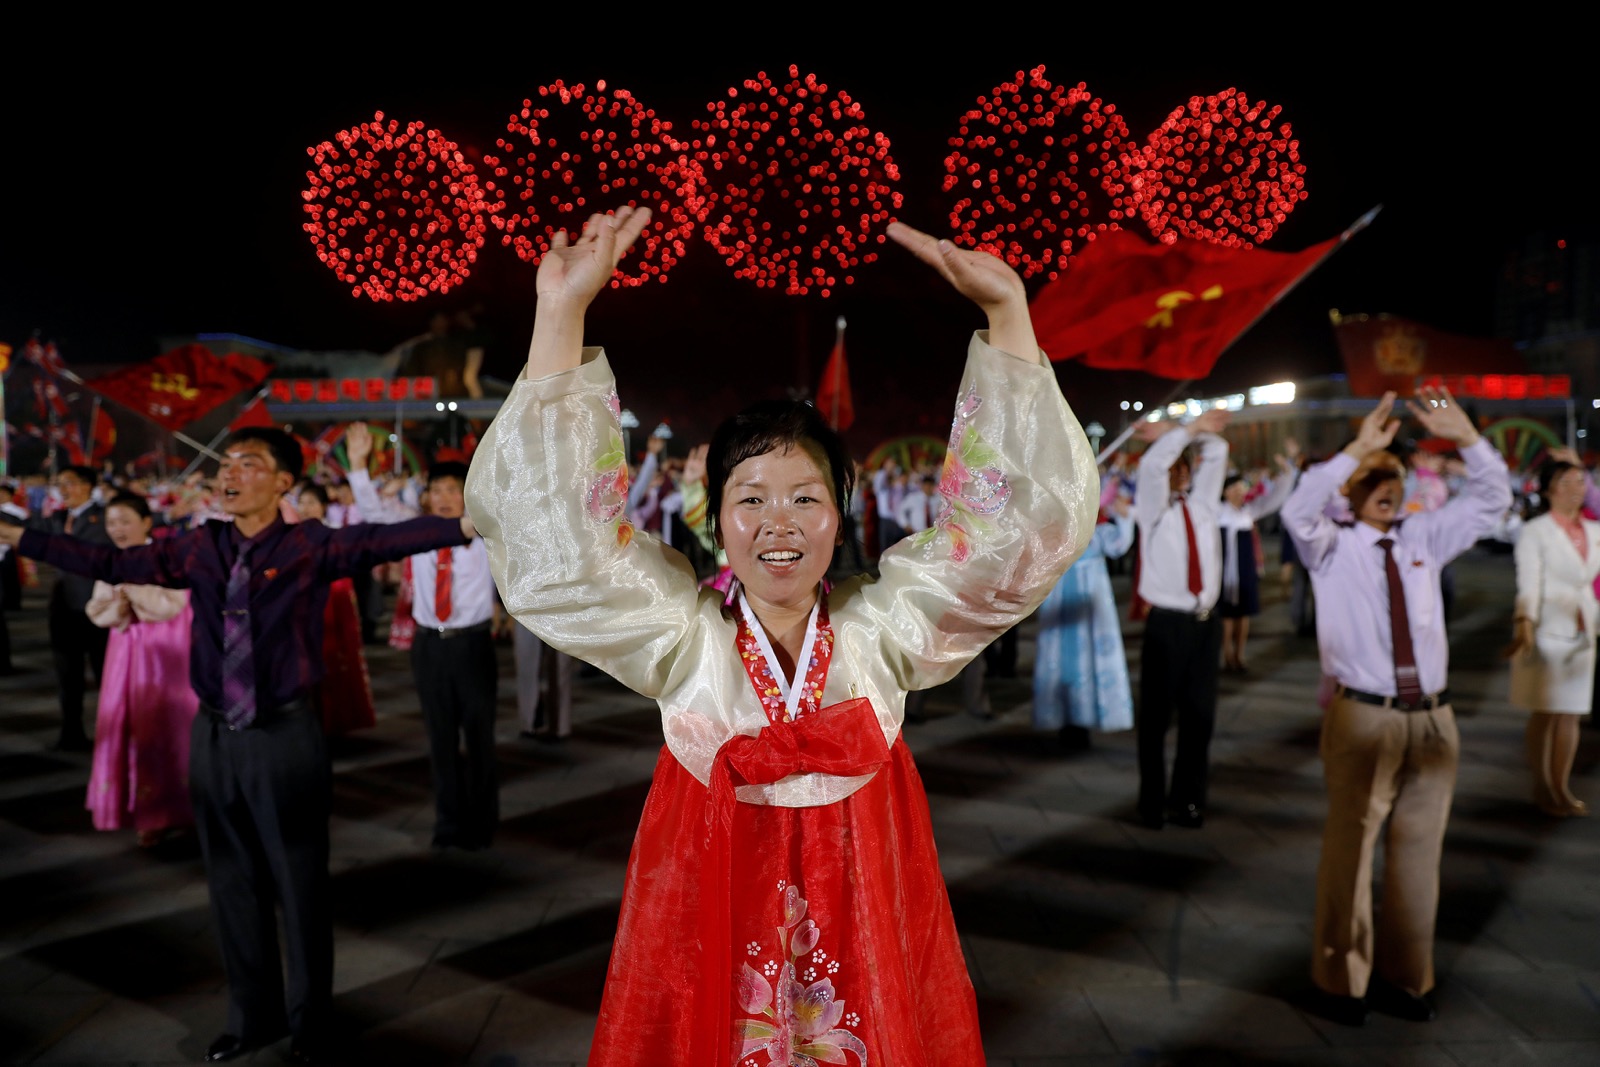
[1091,941]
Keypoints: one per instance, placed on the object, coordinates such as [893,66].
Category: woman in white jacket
[1553,647]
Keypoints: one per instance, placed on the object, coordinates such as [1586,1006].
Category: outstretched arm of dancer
[984,279]
[570,276]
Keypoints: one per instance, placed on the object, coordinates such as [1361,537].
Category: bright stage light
[1276,393]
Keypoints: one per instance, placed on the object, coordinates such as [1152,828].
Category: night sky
[158,193]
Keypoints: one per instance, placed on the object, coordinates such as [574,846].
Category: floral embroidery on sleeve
[798,1024]
[608,490]
[972,484]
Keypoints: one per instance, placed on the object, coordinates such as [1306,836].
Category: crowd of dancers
[789,610]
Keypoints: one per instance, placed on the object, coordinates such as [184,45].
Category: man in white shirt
[1180,577]
[888,486]
[453,663]
[919,506]
[1389,740]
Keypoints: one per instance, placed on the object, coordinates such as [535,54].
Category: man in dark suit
[75,640]
[259,773]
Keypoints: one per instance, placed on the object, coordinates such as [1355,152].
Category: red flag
[70,440]
[833,395]
[1166,309]
[255,413]
[47,397]
[181,386]
[102,435]
[1383,352]
[46,357]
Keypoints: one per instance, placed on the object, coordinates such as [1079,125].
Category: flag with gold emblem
[1166,309]
[182,385]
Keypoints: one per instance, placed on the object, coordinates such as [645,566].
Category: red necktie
[1407,687]
[441,588]
[1196,582]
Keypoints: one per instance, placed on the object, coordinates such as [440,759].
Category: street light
[1095,432]
[629,421]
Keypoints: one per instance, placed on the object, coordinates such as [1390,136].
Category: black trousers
[262,797]
[74,642]
[1177,673]
[457,681]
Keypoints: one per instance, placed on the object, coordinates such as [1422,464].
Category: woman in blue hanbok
[1080,673]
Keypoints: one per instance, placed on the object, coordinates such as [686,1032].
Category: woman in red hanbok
[140,773]
[783,901]
[345,693]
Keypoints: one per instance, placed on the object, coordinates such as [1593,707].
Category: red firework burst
[1034,165]
[1215,170]
[577,152]
[394,211]
[800,186]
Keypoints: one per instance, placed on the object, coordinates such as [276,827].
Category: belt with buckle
[1198,616]
[296,706]
[1427,703]
[445,632]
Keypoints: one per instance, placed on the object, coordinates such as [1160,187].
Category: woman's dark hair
[317,491]
[1230,481]
[769,426]
[1547,477]
[133,502]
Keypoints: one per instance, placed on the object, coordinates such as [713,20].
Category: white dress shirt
[472,594]
[375,507]
[1163,544]
[1350,578]
[1234,521]
[915,512]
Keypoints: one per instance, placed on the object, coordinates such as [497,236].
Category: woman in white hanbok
[783,901]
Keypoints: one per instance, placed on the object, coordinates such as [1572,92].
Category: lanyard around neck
[794,687]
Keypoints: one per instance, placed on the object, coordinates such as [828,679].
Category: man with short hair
[919,506]
[1389,741]
[1180,577]
[259,771]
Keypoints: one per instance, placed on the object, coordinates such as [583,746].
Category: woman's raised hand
[574,271]
[571,275]
[984,279]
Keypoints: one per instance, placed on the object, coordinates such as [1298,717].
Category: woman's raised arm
[571,275]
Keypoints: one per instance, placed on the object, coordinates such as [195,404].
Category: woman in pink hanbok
[140,777]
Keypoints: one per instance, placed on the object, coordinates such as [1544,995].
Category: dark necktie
[441,587]
[238,656]
[1407,687]
[70,522]
[1196,582]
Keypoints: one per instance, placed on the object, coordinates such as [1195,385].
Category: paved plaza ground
[1092,941]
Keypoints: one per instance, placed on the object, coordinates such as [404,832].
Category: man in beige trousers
[1389,740]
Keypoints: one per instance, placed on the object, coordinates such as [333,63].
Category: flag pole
[94,421]
[1350,231]
[1127,431]
[838,339]
[209,449]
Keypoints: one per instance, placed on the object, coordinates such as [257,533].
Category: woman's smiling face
[779,524]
